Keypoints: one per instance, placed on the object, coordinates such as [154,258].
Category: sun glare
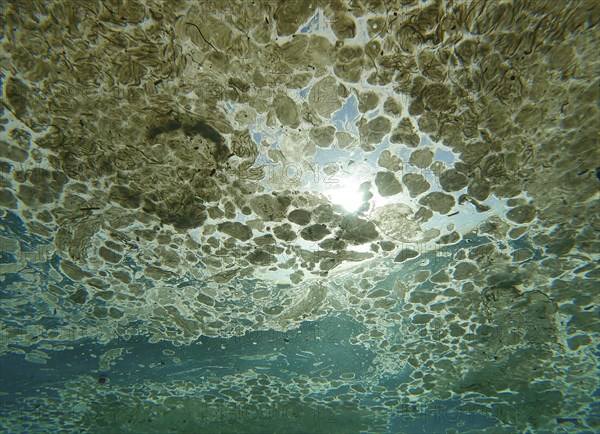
[348,196]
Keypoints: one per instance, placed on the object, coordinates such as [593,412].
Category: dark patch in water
[172,125]
[221,152]
[204,130]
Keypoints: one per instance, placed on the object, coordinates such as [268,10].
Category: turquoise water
[313,378]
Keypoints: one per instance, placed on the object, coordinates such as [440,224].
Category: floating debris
[354,212]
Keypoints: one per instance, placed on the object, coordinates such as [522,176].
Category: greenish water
[294,216]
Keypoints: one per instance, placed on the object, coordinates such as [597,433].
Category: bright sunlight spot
[347,195]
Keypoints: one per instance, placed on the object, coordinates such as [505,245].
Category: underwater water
[294,216]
